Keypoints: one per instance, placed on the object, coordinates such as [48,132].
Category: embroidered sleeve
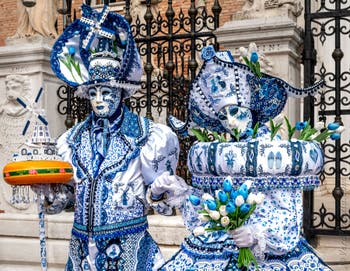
[58,197]
[159,155]
[278,222]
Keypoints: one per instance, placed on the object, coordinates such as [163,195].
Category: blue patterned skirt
[196,254]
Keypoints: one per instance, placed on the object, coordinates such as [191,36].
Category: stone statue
[266,8]
[12,120]
[37,20]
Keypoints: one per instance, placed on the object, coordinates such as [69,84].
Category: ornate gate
[169,45]
[327,29]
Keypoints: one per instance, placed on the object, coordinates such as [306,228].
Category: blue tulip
[230,207]
[194,200]
[243,191]
[234,195]
[249,131]
[254,57]
[222,196]
[300,125]
[335,136]
[227,185]
[211,204]
[244,208]
[333,126]
[71,50]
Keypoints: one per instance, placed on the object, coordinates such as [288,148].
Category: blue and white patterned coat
[109,231]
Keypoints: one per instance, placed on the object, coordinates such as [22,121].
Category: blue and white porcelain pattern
[221,82]
[277,221]
[110,199]
[113,60]
[277,226]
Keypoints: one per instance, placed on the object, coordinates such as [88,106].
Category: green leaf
[258,72]
[255,129]
[201,136]
[246,60]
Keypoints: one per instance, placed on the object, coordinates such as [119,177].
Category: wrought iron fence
[327,23]
[169,45]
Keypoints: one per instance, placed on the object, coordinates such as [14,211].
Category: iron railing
[169,45]
[328,22]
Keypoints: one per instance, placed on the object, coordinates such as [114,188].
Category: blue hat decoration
[221,81]
[99,48]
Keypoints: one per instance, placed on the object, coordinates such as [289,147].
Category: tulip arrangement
[317,133]
[252,62]
[68,60]
[227,211]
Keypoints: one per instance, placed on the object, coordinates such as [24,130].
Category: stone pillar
[24,69]
[278,39]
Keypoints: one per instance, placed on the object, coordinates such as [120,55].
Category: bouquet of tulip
[227,211]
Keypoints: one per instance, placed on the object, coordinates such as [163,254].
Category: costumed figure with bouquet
[245,211]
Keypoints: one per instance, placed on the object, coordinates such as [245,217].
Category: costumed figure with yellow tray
[123,163]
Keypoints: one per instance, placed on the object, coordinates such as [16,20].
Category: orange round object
[37,172]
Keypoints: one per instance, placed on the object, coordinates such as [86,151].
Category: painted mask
[233,116]
[104,100]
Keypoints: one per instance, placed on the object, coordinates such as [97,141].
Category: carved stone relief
[267,8]
[12,120]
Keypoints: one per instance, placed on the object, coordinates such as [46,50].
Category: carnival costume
[115,159]
[229,92]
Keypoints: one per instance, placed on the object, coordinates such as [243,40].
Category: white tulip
[259,198]
[319,125]
[203,217]
[340,129]
[252,47]
[251,199]
[239,201]
[65,51]
[207,196]
[199,231]
[243,51]
[224,221]
[214,215]
[222,210]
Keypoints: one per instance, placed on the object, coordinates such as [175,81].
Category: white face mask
[104,100]
[235,117]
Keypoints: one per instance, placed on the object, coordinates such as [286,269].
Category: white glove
[243,236]
[46,189]
[173,185]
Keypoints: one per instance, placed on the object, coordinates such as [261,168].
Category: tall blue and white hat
[221,82]
[100,49]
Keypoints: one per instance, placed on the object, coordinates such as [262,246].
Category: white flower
[199,231]
[203,217]
[224,221]
[319,125]
[243,51]
[207,196]
[214,215]
[251,199]
[252,47]
[222,210]
[340,129]
[65,51]
[239,201]
[259,198]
